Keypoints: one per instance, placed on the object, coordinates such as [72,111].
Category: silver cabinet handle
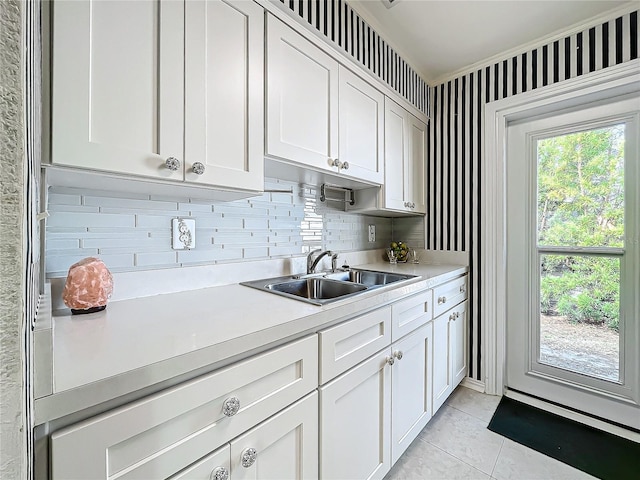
[390,361]
[249,456]
[172,163]
[219,473]
[231,406]
[442,300]
[398,354]
[452,316]
[463,288]
[198,168]
[341,165]
[413,205]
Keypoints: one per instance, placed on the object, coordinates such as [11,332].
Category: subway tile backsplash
[133,231]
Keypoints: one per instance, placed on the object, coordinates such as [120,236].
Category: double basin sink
[330,287]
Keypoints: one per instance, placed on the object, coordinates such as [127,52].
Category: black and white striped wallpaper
[456,135]
[337,21]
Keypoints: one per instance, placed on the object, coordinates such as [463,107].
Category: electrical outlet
[372,233]
[183,233]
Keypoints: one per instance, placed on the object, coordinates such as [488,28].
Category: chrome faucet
[311,263]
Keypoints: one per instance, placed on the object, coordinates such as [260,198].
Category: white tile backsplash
[132,232]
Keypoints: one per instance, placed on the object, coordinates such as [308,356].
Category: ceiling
[440,38]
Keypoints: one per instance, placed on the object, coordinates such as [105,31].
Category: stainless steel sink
[329,287]
[370,278]
[318,289]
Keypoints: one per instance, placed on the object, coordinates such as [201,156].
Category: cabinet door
[355,422]
[396,152]
[361,128]
[224,99]
[118,86]
[459,350]
[283,447]
[302,99]
[415,179]
[411,389]
[442,377]
[216,463]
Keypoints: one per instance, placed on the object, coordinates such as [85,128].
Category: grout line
[497,458]
[453,456]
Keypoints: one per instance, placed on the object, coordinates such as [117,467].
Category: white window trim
[618,80]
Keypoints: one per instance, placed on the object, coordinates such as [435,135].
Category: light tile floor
[456,444]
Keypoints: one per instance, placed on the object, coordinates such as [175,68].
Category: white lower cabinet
[449,352]
[371,414]
[355,422]
[160,435]
[410,389]
[284,447]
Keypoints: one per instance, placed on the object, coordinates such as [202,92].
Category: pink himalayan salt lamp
[88,287]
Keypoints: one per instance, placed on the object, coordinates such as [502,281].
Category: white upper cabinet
[405,140]
[224,99]
[118,89]
[319,114]
[361,128]
[302,99]
[117,92]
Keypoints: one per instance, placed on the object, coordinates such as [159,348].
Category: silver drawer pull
[463,288]
[231,406]
[452,316]
[442,300]
[390,361]
[249,456]
[345,165]
[398,354]
[219,473]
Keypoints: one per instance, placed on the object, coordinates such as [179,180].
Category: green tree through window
[581,204]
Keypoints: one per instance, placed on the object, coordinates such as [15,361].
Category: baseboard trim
[473,384]
[578,417]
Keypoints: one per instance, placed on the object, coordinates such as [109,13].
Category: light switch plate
[183,235]
[372,233]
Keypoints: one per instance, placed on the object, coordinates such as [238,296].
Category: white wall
[13,451]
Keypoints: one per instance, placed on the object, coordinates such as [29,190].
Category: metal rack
[348,195]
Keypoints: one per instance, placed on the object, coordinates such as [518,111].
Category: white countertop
[140,342]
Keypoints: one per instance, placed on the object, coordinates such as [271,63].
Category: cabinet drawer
[347,344]
[411,313]
[449,295]
[158,436]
